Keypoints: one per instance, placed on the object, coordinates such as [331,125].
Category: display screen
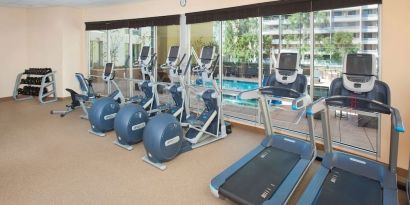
[288,61]
[144,52]
[108,69]
[173,54]
[359,64]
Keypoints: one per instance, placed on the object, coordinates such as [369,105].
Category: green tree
[335,45]
[241,40]
[301,22]
[343,43]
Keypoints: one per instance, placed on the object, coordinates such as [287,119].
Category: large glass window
[120,57]
[140,37]
[240,47]
[167,36]
[98,57]
[202,34]
[245,64]
[341,36]
[286,33]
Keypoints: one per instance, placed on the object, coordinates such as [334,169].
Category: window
[139,37]
[202,34]
[337,13]
[167,36]
[352,13]
[348,127]
[292,35]
[120,57]
[98,57]
[98,49]
[240,47]
[245,64]
[368,12]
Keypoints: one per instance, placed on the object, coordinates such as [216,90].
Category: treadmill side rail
[310,193]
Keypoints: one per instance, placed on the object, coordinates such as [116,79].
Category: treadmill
[270,173]
[346,178]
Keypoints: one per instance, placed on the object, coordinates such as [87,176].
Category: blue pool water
[229,99]
[239,85]
[236,85]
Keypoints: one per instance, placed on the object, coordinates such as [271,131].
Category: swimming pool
[230,99]
[237,85]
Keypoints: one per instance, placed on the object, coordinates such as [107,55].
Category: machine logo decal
[172,141]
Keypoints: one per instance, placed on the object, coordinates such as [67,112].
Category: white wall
[42,37]
[13,47]
[395,70]
[56,40]
[158,8]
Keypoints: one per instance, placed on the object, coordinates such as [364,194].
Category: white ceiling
[73,3]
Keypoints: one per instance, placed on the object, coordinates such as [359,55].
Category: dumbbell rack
[49,86]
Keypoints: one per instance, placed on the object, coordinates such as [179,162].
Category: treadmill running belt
[258,180]
[343,187]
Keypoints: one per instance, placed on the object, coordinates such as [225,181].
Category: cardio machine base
[62,113]
[160,166]
[127,147]
[99,134]
[187,146]
[84,117]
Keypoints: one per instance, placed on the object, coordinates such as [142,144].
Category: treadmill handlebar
[298,100]
[316,106]
[320,104]
[301,102]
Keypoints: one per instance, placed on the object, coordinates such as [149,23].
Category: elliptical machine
[104,110]
[131,120]
[163,135]
[146,62]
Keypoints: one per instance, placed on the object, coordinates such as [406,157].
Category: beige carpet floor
[45,159]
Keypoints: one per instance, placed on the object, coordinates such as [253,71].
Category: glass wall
[140,37]
[286,33]
[98,57]
[120,56]
[167,36]
[337,33]
[240,51]
[202,34]
[249,50]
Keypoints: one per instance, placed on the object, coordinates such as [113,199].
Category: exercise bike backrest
[85,85]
